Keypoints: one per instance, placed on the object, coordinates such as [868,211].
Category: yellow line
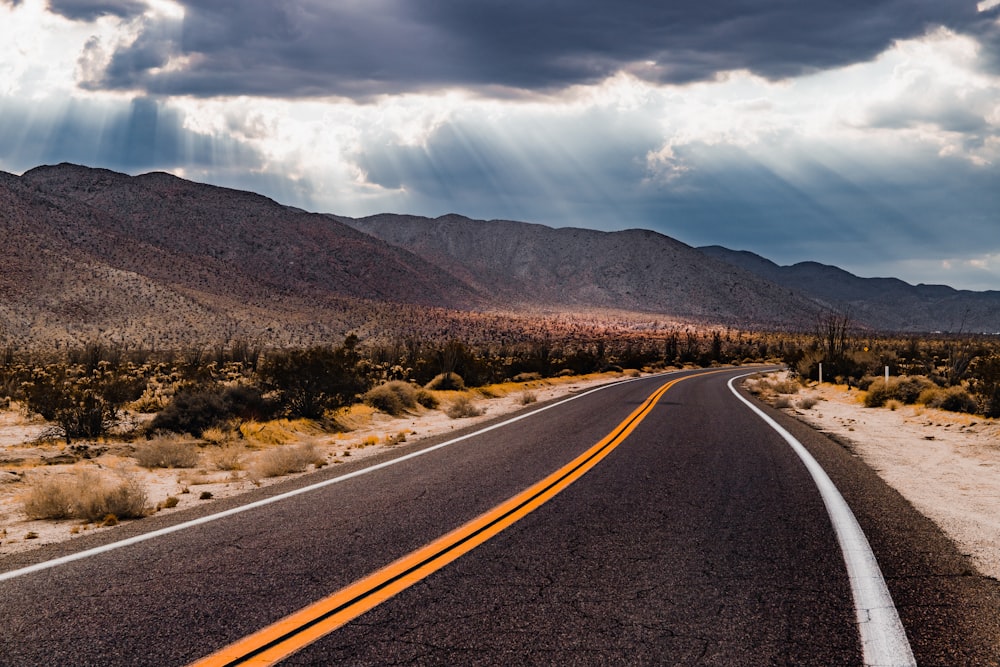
[305,626]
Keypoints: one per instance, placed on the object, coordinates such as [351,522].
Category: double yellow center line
[303,627]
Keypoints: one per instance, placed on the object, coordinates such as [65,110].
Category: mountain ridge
[890,302]
[161,261]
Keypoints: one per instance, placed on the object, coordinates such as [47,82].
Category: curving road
[698,538]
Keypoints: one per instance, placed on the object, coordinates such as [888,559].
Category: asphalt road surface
[698,539]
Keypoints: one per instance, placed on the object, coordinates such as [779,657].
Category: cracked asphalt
[699,541]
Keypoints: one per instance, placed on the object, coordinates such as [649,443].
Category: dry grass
[167,452]
[229,457]
[527,398]
[85,494]
[285,460]
[278,432]
[462,406]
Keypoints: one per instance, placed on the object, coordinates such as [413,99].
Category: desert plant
[82,402]
[528,398]
[426,399]
[782,402]
[228,457]
[953,399]
[807,403]
[167,452]
[191,411]
[309,382]
[461,407]
[284,460]
[85,495]
[908,388]
[50,498]
[446,382]
[392,398]
[880,391]
[123,500]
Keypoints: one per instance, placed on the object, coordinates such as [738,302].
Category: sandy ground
[947,465]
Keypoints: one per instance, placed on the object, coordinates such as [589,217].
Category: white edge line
[883,638]
[55,562]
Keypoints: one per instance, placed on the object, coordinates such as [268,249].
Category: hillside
[161,261]
[528,266]
[885,303]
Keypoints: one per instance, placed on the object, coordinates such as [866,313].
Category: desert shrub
[285,460]
[879,392]
[50,498]
[82,402]
[427,399]
[782,402]
[216,435]
[309,382]
[807,403]
[463,407]
[246,403]
[986,383]
[228,457]
[893,405]
[446,382]
[85,495]
[167,452]
[393,398]
[191,411]
[953,399]
[196,410]
[526,377]
[785,386]
[279,431]
[125,499]
[527,398]
[909,388]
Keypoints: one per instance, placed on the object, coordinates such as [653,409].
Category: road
[698,539]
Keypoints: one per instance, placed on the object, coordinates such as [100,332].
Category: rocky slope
[884,303]
[532,266]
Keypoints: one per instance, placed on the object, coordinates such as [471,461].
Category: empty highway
[658,521]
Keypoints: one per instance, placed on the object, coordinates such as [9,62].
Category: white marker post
[821,372]
[887,376]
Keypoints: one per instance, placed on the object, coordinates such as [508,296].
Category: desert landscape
[945,464]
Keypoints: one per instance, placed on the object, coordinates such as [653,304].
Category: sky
[860,133]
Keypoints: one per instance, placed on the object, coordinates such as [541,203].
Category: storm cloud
[503,48]
[859,133]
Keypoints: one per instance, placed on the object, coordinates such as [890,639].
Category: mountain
[155,260]
[160,260]
[529,266]
[884,303]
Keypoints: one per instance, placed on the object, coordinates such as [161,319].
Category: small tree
[986,384]
[81,402]
[309,382]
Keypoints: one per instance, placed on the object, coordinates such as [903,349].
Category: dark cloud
[311,47]
[817,208]
[90,10]
[142,136]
